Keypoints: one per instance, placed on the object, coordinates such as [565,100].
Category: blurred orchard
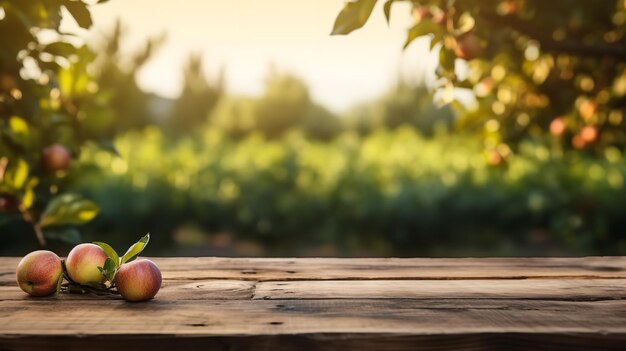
[536,167]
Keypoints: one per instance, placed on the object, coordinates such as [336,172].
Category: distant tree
[539,68]
[413,106]
[403,105]
[198,98]
[118,77]
[320,123]
[235,116]
[283,105]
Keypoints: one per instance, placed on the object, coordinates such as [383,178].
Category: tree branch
[28,217]
[550,45]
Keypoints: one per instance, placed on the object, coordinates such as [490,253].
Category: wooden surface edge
[325,341]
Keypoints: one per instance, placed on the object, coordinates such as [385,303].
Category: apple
[8,203]
[589,134]
[56,157]
[420,13]
[82,264]
[468,47]
[38,273]
[509,7]
[557,126]
[138,280]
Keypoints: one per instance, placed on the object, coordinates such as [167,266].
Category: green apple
[82,264]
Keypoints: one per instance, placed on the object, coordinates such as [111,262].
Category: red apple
[56,157]
[420,13]
[557,126]
[468,47]
[589,134]
[39,272]
[8,203]
[82,264]
[139,280]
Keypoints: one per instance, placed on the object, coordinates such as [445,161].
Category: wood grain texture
[338,304]
[544,289]
[264,269]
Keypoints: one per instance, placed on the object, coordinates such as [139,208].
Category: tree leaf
[422,28]
[60,48]
[353,16]
[465,23]
[387,10]
[80,12]
[109,146]
[19,130]
[16,174]
[109,251]
[68,209]
[29,192]
[108,269]
[136,249]
[68,235]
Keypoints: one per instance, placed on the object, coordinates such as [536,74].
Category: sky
[247,37]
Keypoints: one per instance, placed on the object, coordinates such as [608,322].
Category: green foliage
[353,16]
[537,67]
[390,192]
[116,76]
[108,269]
[113,262]
[134,251]
[198,98]
[68,209]
[406,105]
[65,234]
[285,105]
[110,252]
[46,98]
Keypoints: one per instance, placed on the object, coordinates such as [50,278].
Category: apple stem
[71,286]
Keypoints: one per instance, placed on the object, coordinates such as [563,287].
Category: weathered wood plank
[269,269]
[170,290]
[387,324]
[336,304]
[547,289]
[262,317]
[327,342]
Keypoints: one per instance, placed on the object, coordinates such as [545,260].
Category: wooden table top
[337,304]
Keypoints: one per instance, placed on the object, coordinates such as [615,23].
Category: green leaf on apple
[110,252]
[108,269]
[136,249]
